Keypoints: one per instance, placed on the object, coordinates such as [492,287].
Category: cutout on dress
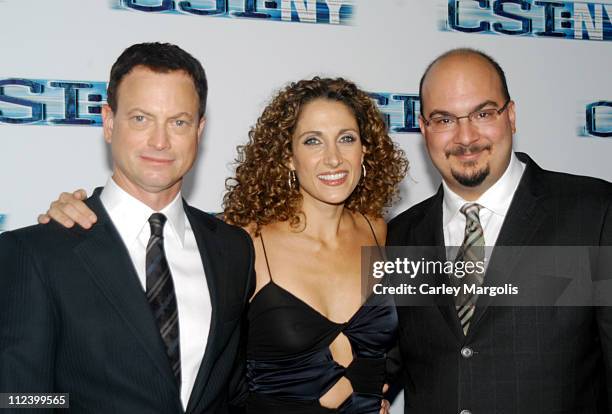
[342,389]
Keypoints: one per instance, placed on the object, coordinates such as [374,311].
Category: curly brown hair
[261,194]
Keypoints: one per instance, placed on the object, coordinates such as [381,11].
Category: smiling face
[154,133]
[327,152]
[470,158]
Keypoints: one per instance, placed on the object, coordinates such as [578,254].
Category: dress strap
[380,249]
[371,228]
[266,255]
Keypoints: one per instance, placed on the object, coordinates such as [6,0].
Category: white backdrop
[384,49]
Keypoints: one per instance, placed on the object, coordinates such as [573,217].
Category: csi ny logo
[47,102]
[546,18]
[51,102]
[598,119]
[400,111]
[305,11]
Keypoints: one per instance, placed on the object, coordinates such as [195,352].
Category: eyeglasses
[447,122]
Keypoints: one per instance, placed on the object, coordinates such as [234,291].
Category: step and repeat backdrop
[56,56]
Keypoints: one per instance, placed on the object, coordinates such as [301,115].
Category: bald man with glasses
[465,354]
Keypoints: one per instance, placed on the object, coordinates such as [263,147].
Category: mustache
[467,149]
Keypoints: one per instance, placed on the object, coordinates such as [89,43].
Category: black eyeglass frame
[457,118]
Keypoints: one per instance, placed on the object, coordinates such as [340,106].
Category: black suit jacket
[74,318]
[516,359]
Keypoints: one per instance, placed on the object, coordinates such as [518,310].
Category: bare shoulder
[380,227]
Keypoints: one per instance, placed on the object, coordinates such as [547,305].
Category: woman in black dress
[310,188]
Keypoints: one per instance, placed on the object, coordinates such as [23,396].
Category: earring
[364,174]
[292,180]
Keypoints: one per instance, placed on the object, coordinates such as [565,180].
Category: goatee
[472,179]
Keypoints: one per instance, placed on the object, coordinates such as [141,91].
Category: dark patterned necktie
[471,250]
[160,293]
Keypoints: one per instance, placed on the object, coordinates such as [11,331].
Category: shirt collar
[497,198]
[130,215]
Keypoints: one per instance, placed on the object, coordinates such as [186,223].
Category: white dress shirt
[495,203]
[130,217]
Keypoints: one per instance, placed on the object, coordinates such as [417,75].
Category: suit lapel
[428,232]
[209,247]
[526,214]
[108,262]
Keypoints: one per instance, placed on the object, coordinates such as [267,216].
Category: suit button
[465,412]
[466,352]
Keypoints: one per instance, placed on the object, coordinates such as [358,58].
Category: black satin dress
[290,365]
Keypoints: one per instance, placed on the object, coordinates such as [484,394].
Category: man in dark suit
[142,312]
[473,356]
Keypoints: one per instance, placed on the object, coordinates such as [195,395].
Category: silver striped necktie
[472,250]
